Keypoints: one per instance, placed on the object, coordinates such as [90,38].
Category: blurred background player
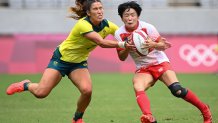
[70,57]
[154,66]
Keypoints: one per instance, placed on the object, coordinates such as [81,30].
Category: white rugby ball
[139,38]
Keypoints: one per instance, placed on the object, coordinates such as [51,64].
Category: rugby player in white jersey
[153,66]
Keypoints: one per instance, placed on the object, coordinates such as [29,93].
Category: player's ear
[88,13]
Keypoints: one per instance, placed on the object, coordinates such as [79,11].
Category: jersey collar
[101,26]
[134,27]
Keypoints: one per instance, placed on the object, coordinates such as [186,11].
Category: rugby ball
[139,39]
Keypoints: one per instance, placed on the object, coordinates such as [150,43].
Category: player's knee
[86,91]
[140,86]
[177,90]
[41,94]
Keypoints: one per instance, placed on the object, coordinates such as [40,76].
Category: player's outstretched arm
[104,43]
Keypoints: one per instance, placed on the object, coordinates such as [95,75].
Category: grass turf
[113,101]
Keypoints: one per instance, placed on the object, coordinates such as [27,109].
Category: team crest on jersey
[85,64]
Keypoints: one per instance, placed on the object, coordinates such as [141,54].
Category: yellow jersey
[76,48]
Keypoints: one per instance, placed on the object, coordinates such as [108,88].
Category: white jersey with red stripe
[154,57]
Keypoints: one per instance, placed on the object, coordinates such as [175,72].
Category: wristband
[121,44]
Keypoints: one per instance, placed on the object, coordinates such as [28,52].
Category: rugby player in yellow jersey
[70,57]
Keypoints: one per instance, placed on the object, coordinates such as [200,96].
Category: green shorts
[64,67]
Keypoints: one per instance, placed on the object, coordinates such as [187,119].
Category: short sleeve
[152,32]
[83,27]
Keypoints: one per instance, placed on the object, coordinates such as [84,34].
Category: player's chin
[130,26]
[99,19]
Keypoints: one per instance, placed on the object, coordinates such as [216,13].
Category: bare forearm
[108,44]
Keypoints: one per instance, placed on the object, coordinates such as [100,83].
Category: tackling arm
[104,43]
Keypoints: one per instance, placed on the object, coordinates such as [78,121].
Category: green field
[113,101]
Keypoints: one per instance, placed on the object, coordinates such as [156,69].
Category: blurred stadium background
[31,29]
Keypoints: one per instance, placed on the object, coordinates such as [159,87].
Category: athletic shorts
[155,70]
[64,67]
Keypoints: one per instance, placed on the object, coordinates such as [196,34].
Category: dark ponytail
[78,11]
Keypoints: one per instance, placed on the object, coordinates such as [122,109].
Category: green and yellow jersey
[76,48]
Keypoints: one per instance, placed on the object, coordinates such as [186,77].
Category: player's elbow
[122,58]
[101,43]
[122,55]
